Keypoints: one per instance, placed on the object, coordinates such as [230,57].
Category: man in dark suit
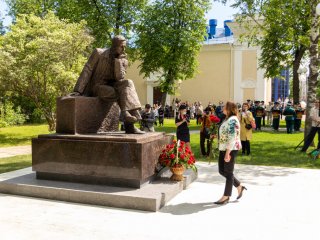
[148,119]
[290,114]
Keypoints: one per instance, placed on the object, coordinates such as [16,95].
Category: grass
[270,149]
[20,135]
[14,163]
[267,148]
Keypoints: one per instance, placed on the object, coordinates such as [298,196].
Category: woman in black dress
[182,123]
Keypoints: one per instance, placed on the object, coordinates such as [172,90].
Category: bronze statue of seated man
[103,77]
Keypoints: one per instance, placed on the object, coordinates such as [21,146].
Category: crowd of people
[264,114]
[235,127]
[253,115]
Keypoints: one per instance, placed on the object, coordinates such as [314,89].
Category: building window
[281,86]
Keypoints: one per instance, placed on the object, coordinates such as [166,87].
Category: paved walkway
[281,203]
[14,151]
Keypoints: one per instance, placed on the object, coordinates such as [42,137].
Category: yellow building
[228,70]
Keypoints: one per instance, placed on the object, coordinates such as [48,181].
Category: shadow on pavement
[190,208]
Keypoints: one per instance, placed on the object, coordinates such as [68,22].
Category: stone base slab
[151,197]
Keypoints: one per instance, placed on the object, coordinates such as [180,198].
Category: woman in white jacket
[229,145]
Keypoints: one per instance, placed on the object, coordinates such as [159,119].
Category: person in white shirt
[192,111]
[314,114]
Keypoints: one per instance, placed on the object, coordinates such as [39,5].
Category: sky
[221,12]
[218,11]
[3,12]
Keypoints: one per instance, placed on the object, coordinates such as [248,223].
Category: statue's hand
[122,56]
[74,94]
[125,63]
[122,62]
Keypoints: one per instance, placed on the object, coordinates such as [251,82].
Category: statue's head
[119,44]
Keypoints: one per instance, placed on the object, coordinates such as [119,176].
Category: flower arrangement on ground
[178,157]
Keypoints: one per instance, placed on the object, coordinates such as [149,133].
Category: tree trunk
[51,123]
[313,67]
[168,82]
[164,99]
[296,64]
[118,17]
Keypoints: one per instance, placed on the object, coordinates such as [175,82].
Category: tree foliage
[170,39]
[41,58]
[281,29]
[105,18]
[10,116]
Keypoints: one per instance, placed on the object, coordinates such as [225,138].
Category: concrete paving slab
[14,151]
[281,203]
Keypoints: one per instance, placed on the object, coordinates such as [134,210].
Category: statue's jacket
[103,72]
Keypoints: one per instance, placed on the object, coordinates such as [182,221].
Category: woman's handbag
[248,126]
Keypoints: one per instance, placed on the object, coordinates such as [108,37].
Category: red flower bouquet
[214,132]
[177,154]
[214,119]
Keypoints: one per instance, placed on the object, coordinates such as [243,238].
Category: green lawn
[14,163]
[268,148]
[20,135]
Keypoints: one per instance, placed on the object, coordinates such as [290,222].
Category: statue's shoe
[129,118]
[136,114]
[131,129]
[138,131]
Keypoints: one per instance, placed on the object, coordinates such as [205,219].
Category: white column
[150,94]
[261,89]
[169,99]
[237,65]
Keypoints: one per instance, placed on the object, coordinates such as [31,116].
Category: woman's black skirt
[183,137]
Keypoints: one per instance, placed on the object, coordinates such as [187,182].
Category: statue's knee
[105,92]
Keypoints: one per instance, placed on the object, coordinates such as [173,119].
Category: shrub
[11,116]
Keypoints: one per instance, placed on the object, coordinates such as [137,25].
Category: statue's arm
[120,67]
[86,73]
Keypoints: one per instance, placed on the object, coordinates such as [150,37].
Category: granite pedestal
[116,159]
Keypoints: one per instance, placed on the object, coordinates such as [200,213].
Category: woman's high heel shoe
[222,202]
[240,194]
